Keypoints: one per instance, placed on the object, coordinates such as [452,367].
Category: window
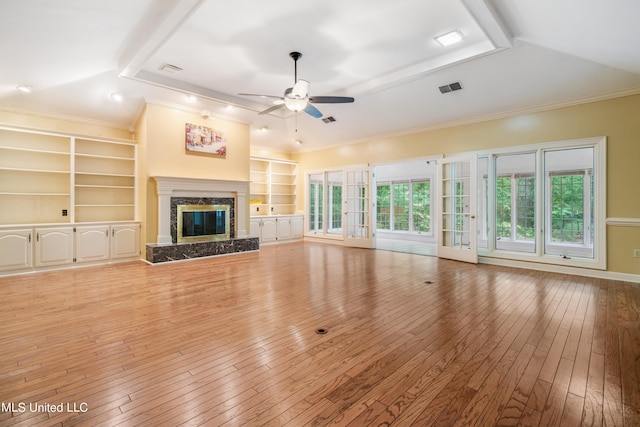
[545,203]
[515,202]
[383,207]
[421,203]
[570,198]
[404,206]
[401,206]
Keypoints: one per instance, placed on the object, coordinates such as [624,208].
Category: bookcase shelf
[53,178]
[273,186]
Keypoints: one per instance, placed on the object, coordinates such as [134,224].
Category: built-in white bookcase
[273,187]
[48,178]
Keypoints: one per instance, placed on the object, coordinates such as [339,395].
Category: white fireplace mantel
[168,187]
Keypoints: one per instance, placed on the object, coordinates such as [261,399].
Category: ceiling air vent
[171,69]
[450,87]
[329,119]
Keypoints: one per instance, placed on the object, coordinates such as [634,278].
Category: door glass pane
[456,204]
[570,199]
[358,204]
[334,204]
[316,185]
[515,202]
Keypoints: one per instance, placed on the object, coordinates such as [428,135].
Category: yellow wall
[269,153]
[161,134]
[618,119]
[67,127]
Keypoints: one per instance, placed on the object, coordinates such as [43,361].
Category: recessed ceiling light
[263,129]
[449,38]
[298,142]
[117,97]
[192,97]
[24,88]
[229,107]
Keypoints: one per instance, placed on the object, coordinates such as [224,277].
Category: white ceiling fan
[297,98]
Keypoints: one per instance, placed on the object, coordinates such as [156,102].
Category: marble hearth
[172,191]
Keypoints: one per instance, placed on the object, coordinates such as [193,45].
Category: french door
[358,201]
[457,236]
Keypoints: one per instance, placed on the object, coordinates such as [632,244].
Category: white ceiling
[516,55]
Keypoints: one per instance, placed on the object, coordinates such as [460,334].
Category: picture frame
[204,140]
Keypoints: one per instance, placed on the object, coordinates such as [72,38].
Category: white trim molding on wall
[624,222]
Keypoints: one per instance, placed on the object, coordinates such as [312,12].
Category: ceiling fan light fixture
[449,38]
[296,104]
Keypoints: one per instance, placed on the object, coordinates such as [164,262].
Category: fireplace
[191,215]
[206,195]
[202,223]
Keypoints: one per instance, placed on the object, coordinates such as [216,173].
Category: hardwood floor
[411,341]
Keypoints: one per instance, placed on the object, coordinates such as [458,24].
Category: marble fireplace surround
[175,187]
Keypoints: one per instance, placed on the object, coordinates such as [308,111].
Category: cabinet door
[16,248]
[54,246]
[92,243]
[297,227]
[284,228]
[125,241]
[269,230]
[254,228]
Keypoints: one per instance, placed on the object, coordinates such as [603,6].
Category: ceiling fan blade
[301,89]
[270,109]
[312,111]
[261,96]
[330,99]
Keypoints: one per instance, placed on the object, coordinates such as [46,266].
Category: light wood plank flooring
[411,341]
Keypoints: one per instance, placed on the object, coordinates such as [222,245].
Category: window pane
[525,206]
[503,208]
[567,209]
[421,198]
[516,202]
[383,207]
[570,215]
[401,206]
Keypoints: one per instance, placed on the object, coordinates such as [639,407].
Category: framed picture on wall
[201,139]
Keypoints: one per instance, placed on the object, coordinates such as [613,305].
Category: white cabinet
[16,249]
[33,249]
[125,241]
[283,226]
[297,227]
[254,227]
[271,229]
[92,243]
[54,246]
[103,242]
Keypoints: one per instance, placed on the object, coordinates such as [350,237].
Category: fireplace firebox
[202,223]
